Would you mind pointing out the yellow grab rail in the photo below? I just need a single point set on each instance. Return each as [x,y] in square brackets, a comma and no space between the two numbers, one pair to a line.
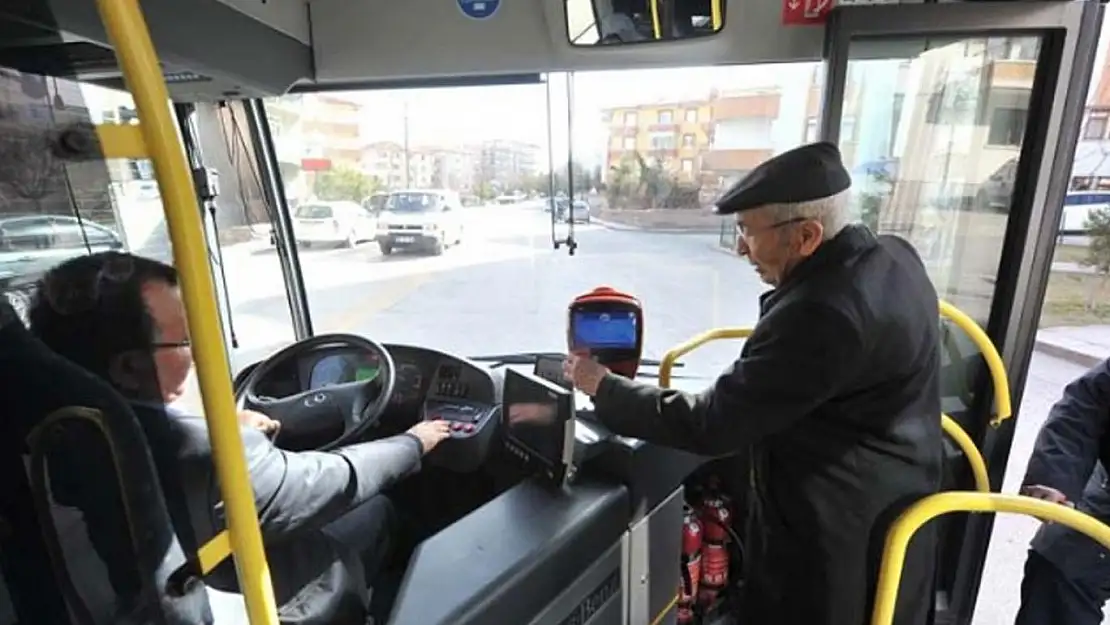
[990,353]
[966,445]
[127,30]
[907,524]
[715,9]
[680,350]
[656,27]
[950,426]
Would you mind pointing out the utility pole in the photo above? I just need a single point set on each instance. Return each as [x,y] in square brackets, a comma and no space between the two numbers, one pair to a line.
[405,112]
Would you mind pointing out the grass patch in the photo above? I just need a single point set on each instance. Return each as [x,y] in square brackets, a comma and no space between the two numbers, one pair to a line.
[1065,302]
[1069,254]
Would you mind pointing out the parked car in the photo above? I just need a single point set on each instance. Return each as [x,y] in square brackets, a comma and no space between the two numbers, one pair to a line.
[32,244]
[334,223]
[428,220]
[577,212]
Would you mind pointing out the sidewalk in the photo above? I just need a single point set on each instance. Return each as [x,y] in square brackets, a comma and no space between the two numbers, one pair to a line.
[1083,345]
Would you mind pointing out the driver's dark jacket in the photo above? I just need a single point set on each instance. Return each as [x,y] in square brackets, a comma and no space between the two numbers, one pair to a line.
[1072,444]
[296,493]
[835,400]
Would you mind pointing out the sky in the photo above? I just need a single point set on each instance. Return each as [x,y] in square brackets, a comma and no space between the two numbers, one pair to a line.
[455,116]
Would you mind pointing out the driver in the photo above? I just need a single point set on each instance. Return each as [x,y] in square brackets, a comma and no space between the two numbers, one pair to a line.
[325,524]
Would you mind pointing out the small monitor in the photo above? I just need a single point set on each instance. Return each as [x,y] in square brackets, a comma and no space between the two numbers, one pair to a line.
[594,329]
[539,425]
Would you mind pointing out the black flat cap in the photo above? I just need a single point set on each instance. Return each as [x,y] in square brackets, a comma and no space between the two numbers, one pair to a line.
[810,172]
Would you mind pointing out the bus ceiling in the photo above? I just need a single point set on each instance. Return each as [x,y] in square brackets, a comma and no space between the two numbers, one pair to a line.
[231,49]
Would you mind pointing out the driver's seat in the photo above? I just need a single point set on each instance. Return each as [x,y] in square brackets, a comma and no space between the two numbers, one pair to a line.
[86,535]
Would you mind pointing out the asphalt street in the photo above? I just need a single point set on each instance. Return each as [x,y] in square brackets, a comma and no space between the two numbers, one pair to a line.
[505,289]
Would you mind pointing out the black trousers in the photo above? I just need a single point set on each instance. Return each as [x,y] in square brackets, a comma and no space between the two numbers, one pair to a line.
[1049,597]
[371,529]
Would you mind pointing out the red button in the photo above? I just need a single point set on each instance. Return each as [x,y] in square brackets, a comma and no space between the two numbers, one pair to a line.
[455,425]
[469,427]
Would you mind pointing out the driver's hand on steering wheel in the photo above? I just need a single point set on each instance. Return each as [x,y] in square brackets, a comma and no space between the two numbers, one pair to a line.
[431,433]
[260,422]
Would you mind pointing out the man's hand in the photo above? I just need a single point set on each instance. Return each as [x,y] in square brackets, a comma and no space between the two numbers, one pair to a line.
[260,422]
[1046,493]
[431,433]
[584,373]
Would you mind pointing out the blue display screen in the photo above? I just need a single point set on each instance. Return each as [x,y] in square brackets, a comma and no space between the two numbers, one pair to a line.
[600,330]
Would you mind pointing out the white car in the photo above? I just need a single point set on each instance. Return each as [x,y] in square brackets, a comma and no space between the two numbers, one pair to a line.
[428,220]
[333,223]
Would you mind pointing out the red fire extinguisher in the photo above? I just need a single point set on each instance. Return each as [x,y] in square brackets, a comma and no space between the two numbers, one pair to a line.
[716,519]
[691,568]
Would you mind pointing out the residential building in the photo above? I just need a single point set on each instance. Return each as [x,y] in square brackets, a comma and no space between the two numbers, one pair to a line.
[505,163]
[385,161]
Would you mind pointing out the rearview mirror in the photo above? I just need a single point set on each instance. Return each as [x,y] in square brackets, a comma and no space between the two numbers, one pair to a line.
[614,22]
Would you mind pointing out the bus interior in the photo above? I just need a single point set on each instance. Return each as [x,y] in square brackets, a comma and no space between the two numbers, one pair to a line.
[591,532]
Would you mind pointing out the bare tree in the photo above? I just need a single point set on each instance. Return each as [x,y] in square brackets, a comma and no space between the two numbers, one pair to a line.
[28,167]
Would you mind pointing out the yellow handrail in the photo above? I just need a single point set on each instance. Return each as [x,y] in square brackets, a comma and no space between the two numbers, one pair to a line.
[656,28]
[974,458]
[680,350]
[949,425]
[715,9]
[127,30]
[990,354]
[907,524]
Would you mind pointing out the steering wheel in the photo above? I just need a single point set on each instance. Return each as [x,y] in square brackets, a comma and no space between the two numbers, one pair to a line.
[327,417]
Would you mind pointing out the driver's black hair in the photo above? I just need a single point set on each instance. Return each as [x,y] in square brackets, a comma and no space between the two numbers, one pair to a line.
[90,309]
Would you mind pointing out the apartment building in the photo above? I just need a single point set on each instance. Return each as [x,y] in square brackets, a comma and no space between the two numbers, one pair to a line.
[505,163]
[708,142]
[428,166]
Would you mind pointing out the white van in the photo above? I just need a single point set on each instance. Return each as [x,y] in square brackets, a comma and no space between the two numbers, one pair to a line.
[428,220]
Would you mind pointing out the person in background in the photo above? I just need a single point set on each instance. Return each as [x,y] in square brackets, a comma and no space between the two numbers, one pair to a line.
[1067,575]
[121,317]
[835,398]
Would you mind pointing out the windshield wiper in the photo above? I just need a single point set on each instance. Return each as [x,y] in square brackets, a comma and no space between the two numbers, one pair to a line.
[530,358]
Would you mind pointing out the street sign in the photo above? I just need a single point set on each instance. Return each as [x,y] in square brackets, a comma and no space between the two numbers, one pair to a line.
[805,12]
[479,9]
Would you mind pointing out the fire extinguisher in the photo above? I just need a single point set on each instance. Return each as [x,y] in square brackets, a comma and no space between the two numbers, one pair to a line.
[716,519]
[691,568]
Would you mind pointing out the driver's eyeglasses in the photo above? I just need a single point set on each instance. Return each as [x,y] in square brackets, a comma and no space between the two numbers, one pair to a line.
[745,231]
[173,344]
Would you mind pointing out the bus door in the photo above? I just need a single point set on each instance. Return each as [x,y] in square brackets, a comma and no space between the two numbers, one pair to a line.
[927,102]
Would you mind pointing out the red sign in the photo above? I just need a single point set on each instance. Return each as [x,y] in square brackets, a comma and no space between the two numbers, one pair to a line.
[315,164]
[805,12]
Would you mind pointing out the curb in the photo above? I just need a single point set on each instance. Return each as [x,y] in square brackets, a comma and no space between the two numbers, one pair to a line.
[1066,353]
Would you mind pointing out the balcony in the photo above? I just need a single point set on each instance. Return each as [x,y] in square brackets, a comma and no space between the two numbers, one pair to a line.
[1015,74]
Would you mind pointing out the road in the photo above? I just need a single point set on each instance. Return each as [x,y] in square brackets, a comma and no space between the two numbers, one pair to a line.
[492,293]
[506,289]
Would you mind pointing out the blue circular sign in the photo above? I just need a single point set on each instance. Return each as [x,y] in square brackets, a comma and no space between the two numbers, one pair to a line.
[479,9]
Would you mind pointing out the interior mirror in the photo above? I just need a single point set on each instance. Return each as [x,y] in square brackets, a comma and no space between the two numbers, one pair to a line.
[612,22]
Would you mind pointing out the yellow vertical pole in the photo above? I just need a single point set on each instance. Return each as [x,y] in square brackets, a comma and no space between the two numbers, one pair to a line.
[716,12]
[128,32]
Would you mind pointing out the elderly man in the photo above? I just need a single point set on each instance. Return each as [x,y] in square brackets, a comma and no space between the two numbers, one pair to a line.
[835,399]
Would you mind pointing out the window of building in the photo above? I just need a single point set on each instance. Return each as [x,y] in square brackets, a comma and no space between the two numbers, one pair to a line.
[687,166]
[666,117]
[688,141]
[692,115]
[630,143]
[1096,127]
[1007,126]
[662,141]
[630,119]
